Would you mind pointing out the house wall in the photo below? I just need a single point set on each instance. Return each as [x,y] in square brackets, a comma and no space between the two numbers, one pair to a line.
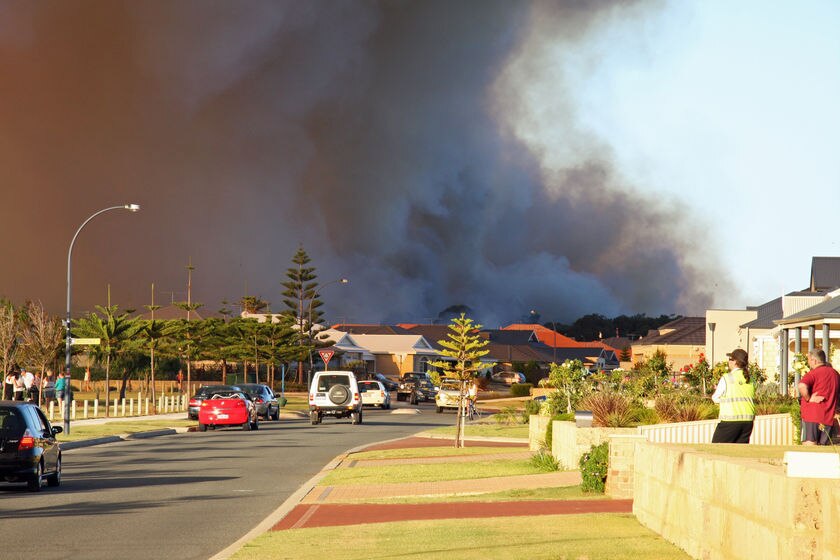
[728,333]
[678,355]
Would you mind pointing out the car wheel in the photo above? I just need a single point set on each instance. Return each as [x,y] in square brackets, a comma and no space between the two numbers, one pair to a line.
[400,396]
[339,394]
[34,482]
[313,417]
[413,399]
[55,478]
[246,425]
[276,415]
[439,409]
[202,427]
[356,417]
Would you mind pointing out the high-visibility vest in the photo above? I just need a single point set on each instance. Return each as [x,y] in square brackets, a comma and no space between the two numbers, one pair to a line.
[738,401]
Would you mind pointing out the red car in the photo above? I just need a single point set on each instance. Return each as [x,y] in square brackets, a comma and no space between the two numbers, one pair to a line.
[228,408]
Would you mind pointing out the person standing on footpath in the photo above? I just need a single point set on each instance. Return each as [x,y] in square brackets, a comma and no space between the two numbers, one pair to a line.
[736,397]
[60,385]
[48,388]
[820,390]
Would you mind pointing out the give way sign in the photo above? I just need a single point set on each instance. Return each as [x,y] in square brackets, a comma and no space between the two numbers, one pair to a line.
[326,355]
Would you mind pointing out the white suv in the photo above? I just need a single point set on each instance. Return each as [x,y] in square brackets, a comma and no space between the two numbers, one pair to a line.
[334,393]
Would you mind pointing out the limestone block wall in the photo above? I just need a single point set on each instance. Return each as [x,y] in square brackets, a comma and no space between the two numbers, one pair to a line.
[622,465]
[569,443]
[537,426]
[720,507]
[769,429]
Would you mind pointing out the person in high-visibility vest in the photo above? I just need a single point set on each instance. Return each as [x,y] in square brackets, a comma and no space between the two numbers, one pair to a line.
[736,396]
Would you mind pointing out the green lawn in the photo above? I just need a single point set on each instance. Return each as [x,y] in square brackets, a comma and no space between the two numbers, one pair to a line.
[486,430]
[420,452]
[532,494]
[591,537]
[88,431]
[430,473]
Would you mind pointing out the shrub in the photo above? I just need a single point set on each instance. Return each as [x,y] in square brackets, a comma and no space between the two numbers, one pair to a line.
[520,389]
[644,415]
[593,468]
[545,461]
[508,416]
[609,409]
[565,417]
[531,407]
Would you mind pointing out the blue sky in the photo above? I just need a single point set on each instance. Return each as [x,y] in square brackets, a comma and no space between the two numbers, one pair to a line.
[728,112]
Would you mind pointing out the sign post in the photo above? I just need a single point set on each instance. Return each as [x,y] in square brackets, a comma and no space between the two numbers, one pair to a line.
[326,355]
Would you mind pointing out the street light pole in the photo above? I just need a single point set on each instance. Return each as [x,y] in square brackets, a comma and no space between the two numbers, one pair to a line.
[311,300]
[68,390]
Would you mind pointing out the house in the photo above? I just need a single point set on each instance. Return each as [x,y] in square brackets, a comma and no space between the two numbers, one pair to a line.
[390,354]
[682,340]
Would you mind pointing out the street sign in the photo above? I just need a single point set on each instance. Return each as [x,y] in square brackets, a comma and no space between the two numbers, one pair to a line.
[85,341]
[326,355]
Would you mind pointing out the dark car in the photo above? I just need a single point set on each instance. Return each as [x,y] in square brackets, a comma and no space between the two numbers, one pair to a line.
[205,393]
[29,451]
[264,398]
[390,384]
[416,386]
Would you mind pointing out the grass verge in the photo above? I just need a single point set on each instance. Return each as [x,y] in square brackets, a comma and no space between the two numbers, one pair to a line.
[593,536]
[430,473]
[533,494]
[422,452]
[81,431]
[486,430]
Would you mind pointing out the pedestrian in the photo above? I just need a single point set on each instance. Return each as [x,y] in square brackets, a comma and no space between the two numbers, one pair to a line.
[736,396]
[819,390]
[30,386]
[48,388]
[19,388]
[60,385]
[9,385]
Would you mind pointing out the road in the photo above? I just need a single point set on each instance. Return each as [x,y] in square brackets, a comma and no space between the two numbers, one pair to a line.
[181,496]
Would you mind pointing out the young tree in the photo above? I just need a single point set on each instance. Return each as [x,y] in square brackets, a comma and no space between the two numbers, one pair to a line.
[252,304]
[43,338]
[10,326]
[301,300]
[464,345]
[570,380]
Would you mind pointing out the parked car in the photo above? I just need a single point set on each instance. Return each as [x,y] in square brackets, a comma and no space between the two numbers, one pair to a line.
[205,393]
[264,398]
[374,394]
[390,384]
[29,451]
[416,386]
[447,397]
[508,377]
[228,408]
[334,393]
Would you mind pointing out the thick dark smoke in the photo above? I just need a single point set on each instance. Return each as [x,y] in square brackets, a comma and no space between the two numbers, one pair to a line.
[368,132]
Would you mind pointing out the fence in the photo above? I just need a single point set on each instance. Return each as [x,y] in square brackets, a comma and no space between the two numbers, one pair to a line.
[119,407]
[769,429]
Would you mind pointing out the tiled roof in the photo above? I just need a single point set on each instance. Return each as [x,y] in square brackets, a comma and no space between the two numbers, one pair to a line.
[370,329]
[683,331]
[545,335]
[767,313]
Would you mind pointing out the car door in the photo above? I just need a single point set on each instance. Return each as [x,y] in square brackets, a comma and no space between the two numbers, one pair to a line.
[44,438]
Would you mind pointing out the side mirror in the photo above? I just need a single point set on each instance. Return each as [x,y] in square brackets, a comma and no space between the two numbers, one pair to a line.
[57,430]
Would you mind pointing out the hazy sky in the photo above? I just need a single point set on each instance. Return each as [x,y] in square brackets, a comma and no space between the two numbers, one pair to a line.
[569,157]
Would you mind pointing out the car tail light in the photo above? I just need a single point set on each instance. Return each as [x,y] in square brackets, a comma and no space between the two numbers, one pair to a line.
[312,397]
[26,442]
[382,394]
[194,402]
[258,401]
[240,403]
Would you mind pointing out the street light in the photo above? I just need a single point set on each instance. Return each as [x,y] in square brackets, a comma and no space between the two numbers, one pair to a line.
[311,300]
[68,390]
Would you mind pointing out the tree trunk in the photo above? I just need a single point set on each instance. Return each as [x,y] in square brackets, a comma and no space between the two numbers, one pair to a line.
[123,383]
[154,401]
[107,385]
[224,371]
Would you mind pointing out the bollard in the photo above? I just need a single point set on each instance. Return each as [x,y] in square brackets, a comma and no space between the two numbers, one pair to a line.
[115,408]
[85,412]
[52,410]
[147,406]
[131,407]
[160,404]
[73,410]
[122,403]
[96,408]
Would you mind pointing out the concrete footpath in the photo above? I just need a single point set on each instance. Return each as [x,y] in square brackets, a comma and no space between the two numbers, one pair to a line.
[325,505]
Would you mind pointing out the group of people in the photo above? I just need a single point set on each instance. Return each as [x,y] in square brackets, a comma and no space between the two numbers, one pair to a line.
[23,385]
[819,392]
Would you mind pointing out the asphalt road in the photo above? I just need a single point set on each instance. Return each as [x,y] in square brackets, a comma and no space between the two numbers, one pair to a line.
[181,496]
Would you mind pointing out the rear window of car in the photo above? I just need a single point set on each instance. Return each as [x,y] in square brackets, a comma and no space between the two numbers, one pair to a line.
[368,386]
[325,382]
[11,423]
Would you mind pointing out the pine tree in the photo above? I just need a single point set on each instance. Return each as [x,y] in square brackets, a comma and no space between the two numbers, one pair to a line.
[464,345]
[301,300]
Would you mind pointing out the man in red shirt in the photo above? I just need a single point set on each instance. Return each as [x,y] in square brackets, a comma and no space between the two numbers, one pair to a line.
[820,389]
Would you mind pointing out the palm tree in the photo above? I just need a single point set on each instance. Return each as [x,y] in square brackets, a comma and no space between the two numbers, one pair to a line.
[114,329]
[152,332]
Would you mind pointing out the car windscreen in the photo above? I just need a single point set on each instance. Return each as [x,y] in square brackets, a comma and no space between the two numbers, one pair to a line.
[325,382]
[11,423]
